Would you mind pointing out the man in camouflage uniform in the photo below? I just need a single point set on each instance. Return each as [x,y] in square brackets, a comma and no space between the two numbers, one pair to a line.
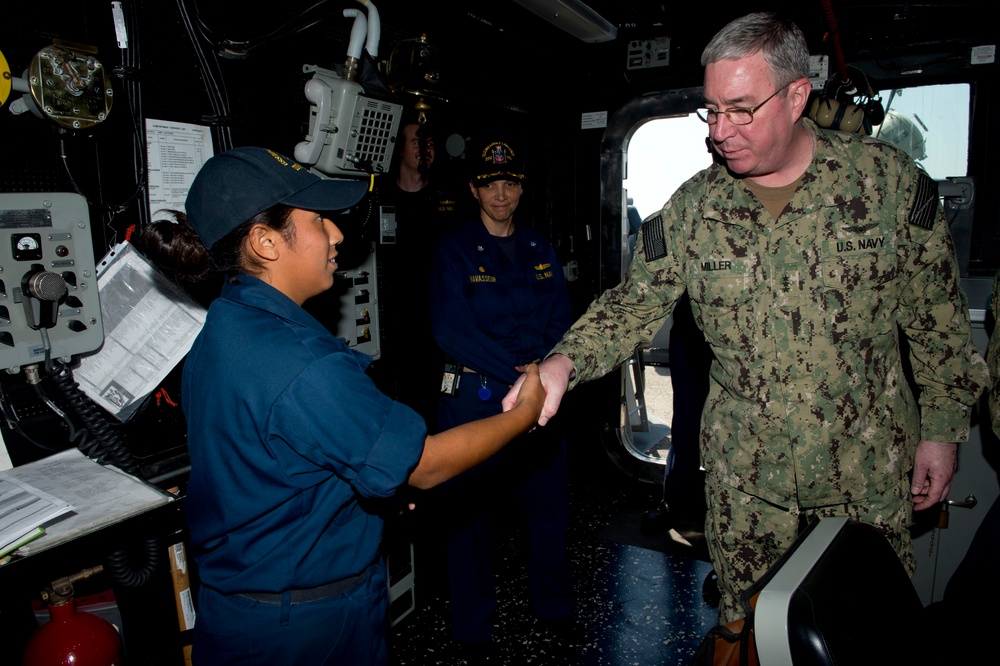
[805,252]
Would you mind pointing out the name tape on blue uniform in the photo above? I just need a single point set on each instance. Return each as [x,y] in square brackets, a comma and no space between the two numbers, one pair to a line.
[925,203]
[654,244]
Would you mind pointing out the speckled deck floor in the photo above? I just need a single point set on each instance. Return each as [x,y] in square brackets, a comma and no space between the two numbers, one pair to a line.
[640,598]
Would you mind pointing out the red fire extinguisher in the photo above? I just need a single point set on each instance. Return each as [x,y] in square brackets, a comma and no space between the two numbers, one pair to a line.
[71,637]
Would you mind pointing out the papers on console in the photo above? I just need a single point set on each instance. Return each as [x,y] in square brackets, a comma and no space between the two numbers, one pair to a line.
[149,326]
[97,495]
[23,509]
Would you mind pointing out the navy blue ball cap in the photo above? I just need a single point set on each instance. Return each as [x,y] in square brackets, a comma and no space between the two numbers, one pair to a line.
[497,161]
[236,185]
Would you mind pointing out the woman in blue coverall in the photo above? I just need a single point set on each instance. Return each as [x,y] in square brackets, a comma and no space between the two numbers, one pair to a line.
[295,455]
[498,301]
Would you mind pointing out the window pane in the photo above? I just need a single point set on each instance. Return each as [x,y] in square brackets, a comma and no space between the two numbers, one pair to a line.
[932,124]
[662,154]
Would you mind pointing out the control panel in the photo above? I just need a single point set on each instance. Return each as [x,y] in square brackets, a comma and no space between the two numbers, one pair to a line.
[350,309]
[49,301]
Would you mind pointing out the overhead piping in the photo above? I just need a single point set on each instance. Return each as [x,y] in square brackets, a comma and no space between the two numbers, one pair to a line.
[374,28]
[574,17]
[356,44]
[838,51]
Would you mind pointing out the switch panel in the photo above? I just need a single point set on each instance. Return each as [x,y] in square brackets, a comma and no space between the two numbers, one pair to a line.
[647,53]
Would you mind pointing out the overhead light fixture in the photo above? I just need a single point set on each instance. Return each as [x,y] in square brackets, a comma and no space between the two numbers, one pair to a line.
[573,17]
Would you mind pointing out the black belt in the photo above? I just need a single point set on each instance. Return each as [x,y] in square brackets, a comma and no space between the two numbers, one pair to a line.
[311,594]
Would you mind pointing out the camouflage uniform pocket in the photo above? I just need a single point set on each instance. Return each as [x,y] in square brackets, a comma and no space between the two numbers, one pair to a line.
[723,302]
[854,300]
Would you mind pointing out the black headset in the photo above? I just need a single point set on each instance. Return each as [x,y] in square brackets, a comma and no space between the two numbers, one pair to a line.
[841,107]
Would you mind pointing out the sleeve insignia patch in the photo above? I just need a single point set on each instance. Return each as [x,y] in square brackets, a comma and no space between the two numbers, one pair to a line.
[925,203]
[654,244]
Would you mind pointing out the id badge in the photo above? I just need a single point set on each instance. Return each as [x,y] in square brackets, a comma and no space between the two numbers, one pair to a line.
[451,378]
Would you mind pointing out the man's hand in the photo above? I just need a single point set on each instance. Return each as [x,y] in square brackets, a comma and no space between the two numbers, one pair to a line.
[532,394]
[554,372]
[933,468]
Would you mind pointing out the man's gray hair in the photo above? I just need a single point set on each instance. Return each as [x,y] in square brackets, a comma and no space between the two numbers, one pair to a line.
[779,40]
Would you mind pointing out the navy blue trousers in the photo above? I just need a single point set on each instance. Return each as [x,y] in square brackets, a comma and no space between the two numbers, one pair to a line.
[528,475]
[690,362]
[348,628]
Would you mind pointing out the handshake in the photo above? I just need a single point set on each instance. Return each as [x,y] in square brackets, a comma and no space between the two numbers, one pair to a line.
[541,387]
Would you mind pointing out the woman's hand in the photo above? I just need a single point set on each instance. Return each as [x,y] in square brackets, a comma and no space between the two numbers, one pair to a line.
[554,373]
[532,394]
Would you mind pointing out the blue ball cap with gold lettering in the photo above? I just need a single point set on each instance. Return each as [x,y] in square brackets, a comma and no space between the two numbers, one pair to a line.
[236,185]
[496,161]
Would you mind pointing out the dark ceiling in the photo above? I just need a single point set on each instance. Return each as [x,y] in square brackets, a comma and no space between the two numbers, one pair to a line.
[501,39]
[496,51]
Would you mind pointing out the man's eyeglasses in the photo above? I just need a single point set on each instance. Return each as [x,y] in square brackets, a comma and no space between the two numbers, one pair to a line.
[736,115]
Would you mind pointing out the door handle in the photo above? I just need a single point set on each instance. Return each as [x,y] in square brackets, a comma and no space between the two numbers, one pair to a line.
[967,503]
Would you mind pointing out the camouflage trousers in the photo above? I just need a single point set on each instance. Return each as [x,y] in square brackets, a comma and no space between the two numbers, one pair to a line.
[746,535]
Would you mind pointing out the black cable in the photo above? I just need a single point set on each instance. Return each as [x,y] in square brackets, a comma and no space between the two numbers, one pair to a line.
[130,76]
[136,574]
[77,437]
[13,420]
[239,48]
[127,74]
[108,448]
[218,97]
[111,208]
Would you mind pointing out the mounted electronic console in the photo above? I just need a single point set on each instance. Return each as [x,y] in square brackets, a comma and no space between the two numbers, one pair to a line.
[49,303]
[352,132]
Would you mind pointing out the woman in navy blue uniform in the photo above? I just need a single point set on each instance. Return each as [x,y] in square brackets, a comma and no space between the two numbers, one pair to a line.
[295,455]
[499,301]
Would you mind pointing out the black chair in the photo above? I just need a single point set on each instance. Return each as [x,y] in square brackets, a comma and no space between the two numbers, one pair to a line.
[839,596]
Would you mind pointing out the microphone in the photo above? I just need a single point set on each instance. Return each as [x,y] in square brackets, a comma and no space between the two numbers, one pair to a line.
[46,286]
[42,287]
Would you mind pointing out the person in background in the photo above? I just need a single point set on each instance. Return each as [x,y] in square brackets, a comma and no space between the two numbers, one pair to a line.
[295,455]
[807,255]
[682,503]
[409,368]
[499,301]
